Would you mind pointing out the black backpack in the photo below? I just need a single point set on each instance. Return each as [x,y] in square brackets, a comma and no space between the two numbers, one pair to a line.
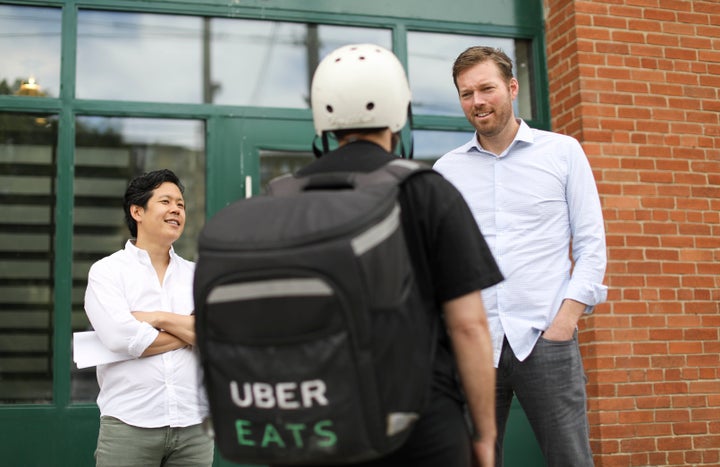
[315,345]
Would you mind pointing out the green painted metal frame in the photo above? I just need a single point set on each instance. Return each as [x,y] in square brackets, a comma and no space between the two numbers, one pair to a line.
[58,433]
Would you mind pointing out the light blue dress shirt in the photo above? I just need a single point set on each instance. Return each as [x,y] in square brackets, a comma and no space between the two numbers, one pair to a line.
[532,202]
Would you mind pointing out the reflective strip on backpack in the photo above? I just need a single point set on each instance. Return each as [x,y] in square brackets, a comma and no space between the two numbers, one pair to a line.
[400,421]
[377,233]
[269,289]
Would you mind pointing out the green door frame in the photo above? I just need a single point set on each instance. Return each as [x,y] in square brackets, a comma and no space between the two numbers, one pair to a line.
[233,151]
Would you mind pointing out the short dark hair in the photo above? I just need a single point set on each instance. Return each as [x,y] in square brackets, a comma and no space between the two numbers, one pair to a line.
[140,190]
[479,54]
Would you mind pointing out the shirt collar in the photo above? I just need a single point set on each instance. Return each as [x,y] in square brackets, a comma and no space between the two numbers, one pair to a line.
[143,255]
[524,135]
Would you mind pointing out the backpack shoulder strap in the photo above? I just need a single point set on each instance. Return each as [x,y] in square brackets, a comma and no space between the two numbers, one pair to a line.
[285,185]
[394,172]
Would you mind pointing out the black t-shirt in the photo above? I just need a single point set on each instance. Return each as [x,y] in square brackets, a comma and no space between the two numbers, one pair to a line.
[449,254]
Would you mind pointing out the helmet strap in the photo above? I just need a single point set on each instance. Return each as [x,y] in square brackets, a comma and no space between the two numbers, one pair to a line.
[325,145]
[410,154]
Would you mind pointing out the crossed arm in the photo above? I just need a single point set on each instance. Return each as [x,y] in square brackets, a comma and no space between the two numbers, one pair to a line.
[176,331]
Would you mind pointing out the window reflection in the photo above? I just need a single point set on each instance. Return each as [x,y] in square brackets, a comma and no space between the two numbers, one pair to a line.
[431,145]
[109,152]
[27,233]
[265,63]
[167,58]
[430,61]
[29,51]
[140,57]
[276,163]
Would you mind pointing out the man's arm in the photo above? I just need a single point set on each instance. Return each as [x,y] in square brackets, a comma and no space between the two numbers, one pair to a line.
[468,329]
[563,326]
[108,310]
[179,326]
[588,233]
[164,342]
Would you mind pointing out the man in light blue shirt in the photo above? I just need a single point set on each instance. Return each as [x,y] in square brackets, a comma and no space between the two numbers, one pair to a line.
[534,197]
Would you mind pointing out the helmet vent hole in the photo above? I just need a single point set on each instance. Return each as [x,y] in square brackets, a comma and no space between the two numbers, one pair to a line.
[361,57]
[370,106]
[329,108]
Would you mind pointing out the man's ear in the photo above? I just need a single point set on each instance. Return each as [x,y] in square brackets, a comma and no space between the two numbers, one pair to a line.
[136,212]
[514,87]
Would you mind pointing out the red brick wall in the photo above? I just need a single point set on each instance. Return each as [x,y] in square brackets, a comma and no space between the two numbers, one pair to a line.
[638,83]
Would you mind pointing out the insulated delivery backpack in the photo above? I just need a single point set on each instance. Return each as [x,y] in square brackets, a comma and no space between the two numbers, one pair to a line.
[313,340]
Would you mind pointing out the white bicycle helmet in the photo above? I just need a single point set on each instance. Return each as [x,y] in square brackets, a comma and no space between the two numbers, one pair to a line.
[359,86]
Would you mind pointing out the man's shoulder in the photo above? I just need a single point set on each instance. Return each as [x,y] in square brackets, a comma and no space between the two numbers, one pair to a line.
[454,158]
[428,176]
[111,263]
[431,189]
[359,156]
[459,150]
[553,137]
[118,256]
[184,263]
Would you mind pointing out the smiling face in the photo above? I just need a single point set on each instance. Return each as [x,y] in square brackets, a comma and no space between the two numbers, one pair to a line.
[162,220]
[486,99]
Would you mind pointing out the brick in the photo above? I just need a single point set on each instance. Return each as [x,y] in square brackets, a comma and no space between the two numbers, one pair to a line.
[666,334]
[616,403]
[701,334]
[685,320]
[698,281]
[656,458]
[709,414]
[712,456]
[693,457]
[671,388]
[650,348]
[618,431]
[696,428]
[706,442]
[619,460]
[677,416]
[702,387]
[654,429]
[683,401]
[638,444]
[653,402]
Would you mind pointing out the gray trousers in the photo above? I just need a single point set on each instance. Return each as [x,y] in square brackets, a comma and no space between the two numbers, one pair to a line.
[550,386]
[123,445]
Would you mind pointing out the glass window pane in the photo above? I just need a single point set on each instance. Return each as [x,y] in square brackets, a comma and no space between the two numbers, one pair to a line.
[109,152]
[270,64]
[27,233]
[139,57]
[29,51]
[276,163]
[429,146]
[430,61]
[167,58]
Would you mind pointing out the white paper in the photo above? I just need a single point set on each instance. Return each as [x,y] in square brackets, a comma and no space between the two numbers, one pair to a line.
[89,351]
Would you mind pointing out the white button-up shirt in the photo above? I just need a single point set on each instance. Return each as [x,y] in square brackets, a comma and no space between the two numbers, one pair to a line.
[532,202]
[148,392]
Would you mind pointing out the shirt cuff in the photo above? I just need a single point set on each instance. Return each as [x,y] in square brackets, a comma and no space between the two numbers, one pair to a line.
[145,336]
[589,294]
